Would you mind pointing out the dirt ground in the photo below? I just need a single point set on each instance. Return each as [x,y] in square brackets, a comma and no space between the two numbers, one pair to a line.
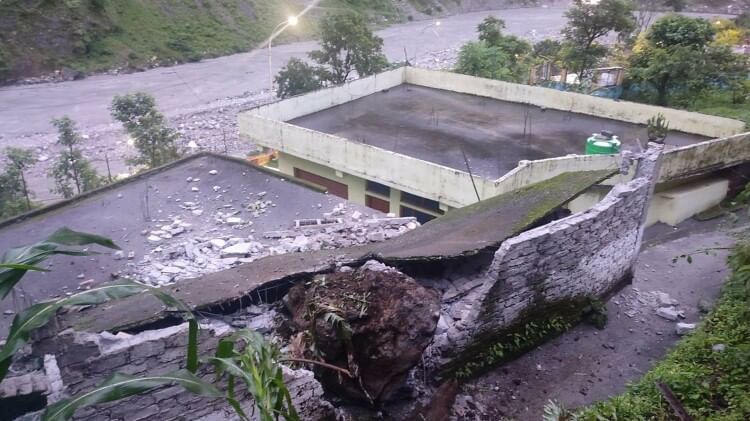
[440,126]
[585,364]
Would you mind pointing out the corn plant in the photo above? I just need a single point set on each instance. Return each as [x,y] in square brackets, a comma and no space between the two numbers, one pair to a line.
[17,262]
[257,365]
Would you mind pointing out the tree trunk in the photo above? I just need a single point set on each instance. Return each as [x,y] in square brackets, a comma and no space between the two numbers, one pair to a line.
[25,191]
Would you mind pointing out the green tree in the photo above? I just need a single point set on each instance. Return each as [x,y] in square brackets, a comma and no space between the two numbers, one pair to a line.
[346,45]
[14,193]
[491,62]
[547,49]
[589,22]
[73,174]
[678,30]
[297,78]
[491,30]
[154,140]
[495,55]
[679,60]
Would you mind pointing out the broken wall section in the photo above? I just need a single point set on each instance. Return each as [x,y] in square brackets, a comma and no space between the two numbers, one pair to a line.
[85,360]
[585,255]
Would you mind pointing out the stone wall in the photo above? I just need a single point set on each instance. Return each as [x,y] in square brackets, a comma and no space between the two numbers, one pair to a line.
[85,360]
[587,254]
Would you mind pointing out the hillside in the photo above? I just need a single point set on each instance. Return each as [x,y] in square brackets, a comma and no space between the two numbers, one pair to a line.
[82,36]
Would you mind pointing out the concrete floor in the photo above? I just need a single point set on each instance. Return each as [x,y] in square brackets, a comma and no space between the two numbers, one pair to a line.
[436,126]
[123,212]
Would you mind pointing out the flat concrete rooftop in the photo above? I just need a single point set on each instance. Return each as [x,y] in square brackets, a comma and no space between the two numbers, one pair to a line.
[144,203]
[437,126]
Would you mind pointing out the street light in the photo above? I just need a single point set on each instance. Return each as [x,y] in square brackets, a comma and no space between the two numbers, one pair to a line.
[433,25]
[290,21]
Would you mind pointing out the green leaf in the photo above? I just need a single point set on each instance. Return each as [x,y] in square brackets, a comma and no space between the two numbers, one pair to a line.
[22,267]
[119,386]
[38,315]
[68,237]
[192,351]
[16,261]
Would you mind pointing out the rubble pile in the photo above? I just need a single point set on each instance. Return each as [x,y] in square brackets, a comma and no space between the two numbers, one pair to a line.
[389,319]
[181,253]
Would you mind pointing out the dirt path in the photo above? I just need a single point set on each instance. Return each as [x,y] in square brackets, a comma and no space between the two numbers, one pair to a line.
[585,365]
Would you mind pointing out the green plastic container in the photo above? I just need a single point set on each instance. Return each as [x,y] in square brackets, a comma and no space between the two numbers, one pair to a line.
[602,144]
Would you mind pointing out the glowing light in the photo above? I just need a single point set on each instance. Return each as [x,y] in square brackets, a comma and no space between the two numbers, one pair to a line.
[292,20]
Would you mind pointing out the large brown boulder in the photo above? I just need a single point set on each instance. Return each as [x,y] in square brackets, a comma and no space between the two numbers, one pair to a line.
[382,322]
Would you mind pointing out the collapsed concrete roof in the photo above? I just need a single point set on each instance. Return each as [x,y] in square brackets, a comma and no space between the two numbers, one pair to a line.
[200,193]
[464,232]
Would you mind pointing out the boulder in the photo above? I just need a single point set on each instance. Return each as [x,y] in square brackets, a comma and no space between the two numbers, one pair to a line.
[385,322]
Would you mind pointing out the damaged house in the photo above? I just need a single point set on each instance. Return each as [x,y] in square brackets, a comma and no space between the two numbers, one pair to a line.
[372,312]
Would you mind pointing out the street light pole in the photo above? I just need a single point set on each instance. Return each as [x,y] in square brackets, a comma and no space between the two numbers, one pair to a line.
[290,21]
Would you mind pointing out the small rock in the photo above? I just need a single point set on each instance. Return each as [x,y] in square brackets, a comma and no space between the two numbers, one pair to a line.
[197,212]
[238,250]
[118,255]
[668,313]
[218,243]
[131,255]
[233,220]
[705,305]
[195,189]
[684,328]
[189,179]
[173,270]
[154,238]
[213,172]
[80,276]
[718,348]
[666,300]
[8,312]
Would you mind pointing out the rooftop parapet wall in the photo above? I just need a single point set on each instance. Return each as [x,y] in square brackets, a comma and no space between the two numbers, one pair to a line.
[266,125]
[704,157]
[684,121]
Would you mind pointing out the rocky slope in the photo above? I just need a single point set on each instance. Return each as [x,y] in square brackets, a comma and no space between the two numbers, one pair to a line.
[67,39]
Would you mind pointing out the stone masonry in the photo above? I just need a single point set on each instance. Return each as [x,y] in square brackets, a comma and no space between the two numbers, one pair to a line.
[86,359]
[587,254]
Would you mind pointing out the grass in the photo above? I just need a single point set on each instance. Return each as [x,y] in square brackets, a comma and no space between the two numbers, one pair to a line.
[711,385]
[720,103]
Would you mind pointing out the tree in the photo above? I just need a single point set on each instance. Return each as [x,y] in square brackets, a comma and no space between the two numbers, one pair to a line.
[727,33]
[680,60]
[491,30]
[589,22]
[145,124]
[14,193]
[72,172]
[678,30]
[495,55]
[348,45]
[297,78]
[491,62]
[547,49]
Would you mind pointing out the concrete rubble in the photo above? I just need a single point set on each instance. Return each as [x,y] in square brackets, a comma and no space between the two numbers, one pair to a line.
[182,251]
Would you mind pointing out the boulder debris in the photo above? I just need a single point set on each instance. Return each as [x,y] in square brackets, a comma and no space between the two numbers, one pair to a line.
[374,323]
